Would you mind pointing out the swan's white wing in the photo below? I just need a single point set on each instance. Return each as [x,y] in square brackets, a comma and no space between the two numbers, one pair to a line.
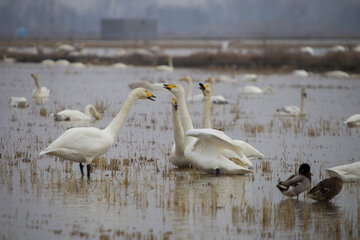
[291,109]
[72,115]
[248,150]
[214,136]
[80,144]
[353,118]
[347,172]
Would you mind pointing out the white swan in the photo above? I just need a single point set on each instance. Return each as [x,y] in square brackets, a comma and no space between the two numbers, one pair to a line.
[167,68]
[307,49]
[39,92]
[337,74]
[250,77]
[300,73]
[177,157]
[226,79]
[347,172]
[75,115]
[19,102]
[62,62]
[353,121]
[203,146]
[83,144]
[189,96]
[248,150]
[338,49]
[77,64]
[48,62]
[120,65]
[148,85]
[292,110]
[218,99]
[254,90]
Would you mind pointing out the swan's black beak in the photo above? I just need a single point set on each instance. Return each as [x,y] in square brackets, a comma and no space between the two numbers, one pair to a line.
[202,86]
[169,86]
[150,96]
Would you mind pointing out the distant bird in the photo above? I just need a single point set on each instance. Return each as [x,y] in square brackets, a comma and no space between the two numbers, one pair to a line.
[19,102]
[83,144]
[62,62]
[48,62]
[8,60]
[250,77]
[120,65]
[226,79]
[254,90]
[292,110]
[148,85]
[347,172]
[39,91]
[300,73]
[77,65]
[307,50]
[297,183]
[167,68]
[357,48]
[75,115]
[337,74]
[338,49]
[353,121]
[326,189]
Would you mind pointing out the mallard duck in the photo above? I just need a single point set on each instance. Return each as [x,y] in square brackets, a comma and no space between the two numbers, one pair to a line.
[326,189]
[297,183]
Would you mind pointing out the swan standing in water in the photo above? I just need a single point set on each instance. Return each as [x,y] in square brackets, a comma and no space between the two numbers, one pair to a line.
[39,92]
[190,97]
[83,144]
[353,121]
[203,146]
[347,172]
[75,115]
[292,110]
[297,183]
[19,102]
[245,148]
[254,90]
[218,99]
[167,68]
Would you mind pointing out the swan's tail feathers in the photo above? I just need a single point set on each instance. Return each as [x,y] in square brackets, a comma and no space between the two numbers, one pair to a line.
[281,187]
[332,173]
[43,152]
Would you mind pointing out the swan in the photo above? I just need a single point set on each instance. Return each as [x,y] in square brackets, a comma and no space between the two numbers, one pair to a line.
[203,146]
[177,157]
[347,172]
[120,65]
[297,183]
[62,62]
[337,74]
[190,97]
[226,79]
[338,49]
[83,144]
[148,85]
[39,92]
[248,150]
[307,49]
[292,110]
[166,68]
[8,60]
[77,64]
[250,77]
[19,102]
[357,48]
[254,90]
[353,121]
[326,189]
[218,99]
[300,73]
[48,62]
[75,115]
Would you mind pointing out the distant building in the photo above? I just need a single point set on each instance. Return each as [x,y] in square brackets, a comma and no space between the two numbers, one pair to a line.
[128,29]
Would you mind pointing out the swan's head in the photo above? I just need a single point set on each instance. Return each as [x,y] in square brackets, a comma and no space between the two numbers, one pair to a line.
[174,103]
[303,92]
[142,93]
[205,89]
[34,76]
[186,79]
[175,89]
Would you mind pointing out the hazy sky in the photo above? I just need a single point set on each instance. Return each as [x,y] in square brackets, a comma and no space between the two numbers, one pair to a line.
[186,17]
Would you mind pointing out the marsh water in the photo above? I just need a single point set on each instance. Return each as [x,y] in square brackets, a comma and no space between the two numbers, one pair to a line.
[135,192]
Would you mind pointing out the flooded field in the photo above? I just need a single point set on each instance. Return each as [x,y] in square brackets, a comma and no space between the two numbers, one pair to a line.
[135,192]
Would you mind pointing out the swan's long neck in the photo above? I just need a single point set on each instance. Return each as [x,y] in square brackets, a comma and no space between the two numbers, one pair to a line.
[302,106]
[178,132]
[37,83]
[189,91]
[88,109]
[184,113]
[170,62]
[206,123]
[115,125]
[268,89]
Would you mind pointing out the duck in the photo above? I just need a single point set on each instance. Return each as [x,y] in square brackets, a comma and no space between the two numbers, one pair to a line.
[76,115]
[347,173]
[39,91]
[18,102]
[254,90]
[292,110]
[249,151]
[83,144]
[353,121]
[167,68]
[326,189]
[203,146]
[296,184]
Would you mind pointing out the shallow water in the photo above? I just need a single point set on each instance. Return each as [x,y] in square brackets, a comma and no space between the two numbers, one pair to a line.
[45,197]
